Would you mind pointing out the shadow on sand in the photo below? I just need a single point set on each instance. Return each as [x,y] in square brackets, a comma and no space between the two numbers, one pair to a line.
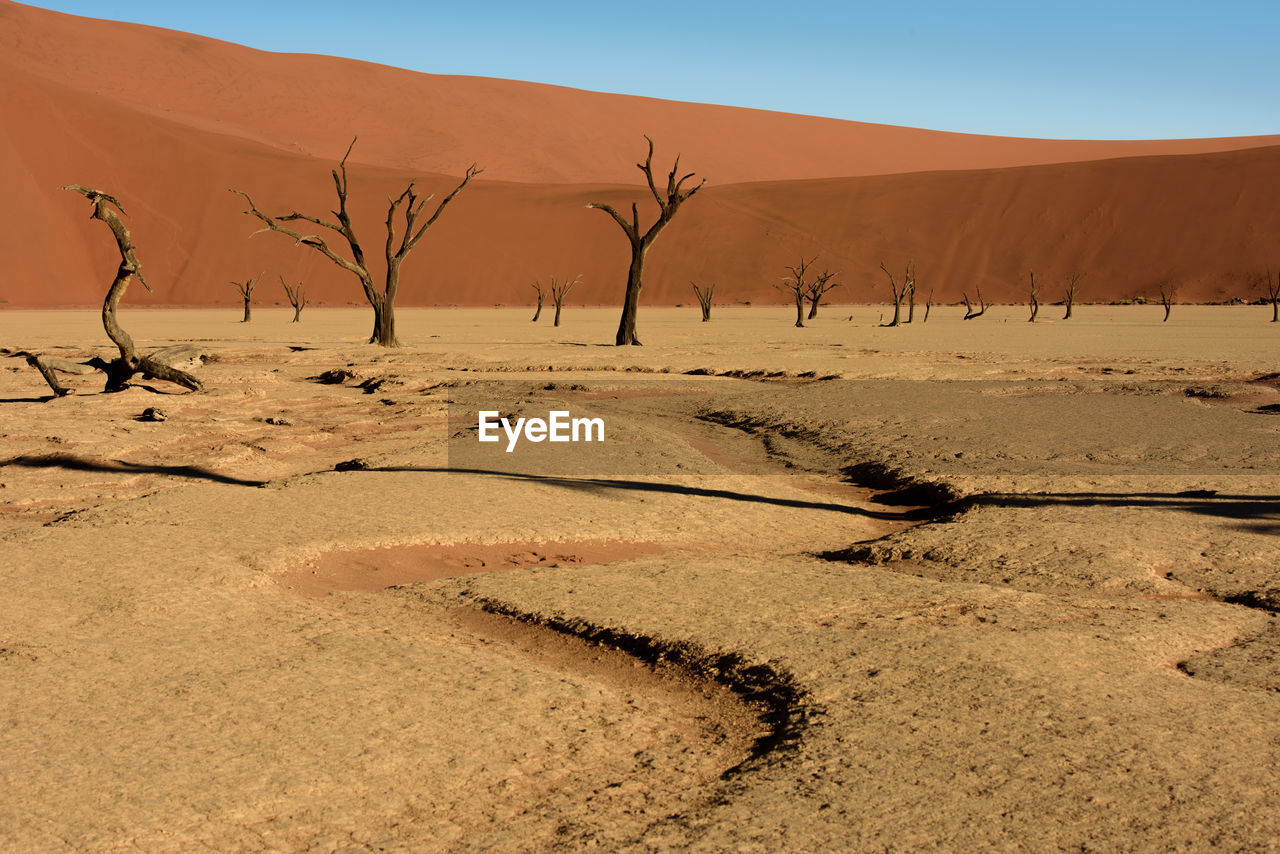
[70,462]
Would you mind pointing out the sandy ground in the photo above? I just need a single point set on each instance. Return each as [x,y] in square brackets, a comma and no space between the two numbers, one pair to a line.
[951,585]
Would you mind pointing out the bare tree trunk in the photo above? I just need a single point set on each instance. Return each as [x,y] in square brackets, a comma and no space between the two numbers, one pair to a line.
[1071,294]
[121,370]
[1166,299]
[969,313]
[297,298]
[631,301]
[383,303]
[898,294]
[928,305]
[1034,303]
[558,293]
[704,299]
[384,324]
[1273,293]
[245,289]
[813,305]
[668,202]
[537,286]
[799,309]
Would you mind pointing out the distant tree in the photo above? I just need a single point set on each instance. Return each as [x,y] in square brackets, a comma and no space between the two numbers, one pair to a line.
[119,371]
[704,299]
[296,297]
[542,296]
[558,292]
[669,201]
[928,305]
[245,289]
[969,313]
[909,284]
[817,288]
[1034,302]
[1167,293]
[900,292]
[382,301]
[1070,299]
[797,284]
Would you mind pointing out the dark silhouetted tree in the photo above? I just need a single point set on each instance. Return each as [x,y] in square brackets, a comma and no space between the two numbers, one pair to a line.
[382,301]
[245,289]
[900,292]
[542,297]
[797,284]
[817,288]
[1070,299]
[704,299]
[558,292]
[969,312]
[669,201]
[1167,293]
[297,298]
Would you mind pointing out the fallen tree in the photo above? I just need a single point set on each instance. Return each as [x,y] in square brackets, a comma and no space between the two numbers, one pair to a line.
[130,363]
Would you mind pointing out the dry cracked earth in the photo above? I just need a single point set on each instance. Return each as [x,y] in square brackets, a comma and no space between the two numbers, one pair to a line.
[937,588]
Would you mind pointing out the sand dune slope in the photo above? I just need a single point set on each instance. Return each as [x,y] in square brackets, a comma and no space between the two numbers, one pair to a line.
[173,121]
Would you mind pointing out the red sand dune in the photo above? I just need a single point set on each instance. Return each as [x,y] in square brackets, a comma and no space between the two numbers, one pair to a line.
[167,122]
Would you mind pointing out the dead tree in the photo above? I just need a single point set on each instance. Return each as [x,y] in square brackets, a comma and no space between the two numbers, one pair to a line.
[899,293]
[542,296]
[382,301]
[704,299]
[817,288]
[928,305]
[1070,299]
[797,286]
[245,289]
[130,363]
[558,291]
[969,313]
[1034,301]
[669,201]
[297,298]
[909,285]
[1273,294]
[1166,300]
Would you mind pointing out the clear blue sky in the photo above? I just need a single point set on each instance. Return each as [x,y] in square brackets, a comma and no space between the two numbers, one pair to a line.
[1083,69]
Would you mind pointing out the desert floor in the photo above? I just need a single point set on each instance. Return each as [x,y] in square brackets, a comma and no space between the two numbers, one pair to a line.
[943,586]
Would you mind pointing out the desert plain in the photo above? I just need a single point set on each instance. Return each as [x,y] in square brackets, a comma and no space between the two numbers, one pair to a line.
[951,585]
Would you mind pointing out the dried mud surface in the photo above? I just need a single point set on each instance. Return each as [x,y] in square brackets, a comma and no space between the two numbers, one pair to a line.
[946,586]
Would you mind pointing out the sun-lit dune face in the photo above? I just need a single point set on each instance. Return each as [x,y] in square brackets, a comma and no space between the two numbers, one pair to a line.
[172,121]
